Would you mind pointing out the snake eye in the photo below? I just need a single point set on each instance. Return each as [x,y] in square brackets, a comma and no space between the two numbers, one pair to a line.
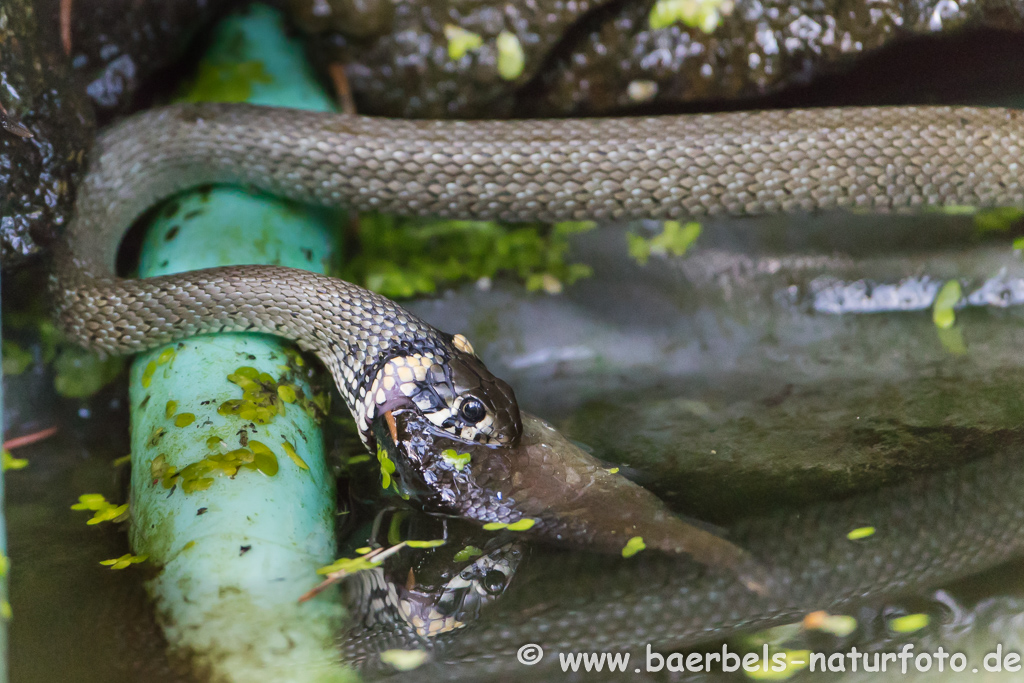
[494,582]
[473,410]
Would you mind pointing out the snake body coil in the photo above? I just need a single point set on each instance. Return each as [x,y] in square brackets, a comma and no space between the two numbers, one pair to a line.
[664,167]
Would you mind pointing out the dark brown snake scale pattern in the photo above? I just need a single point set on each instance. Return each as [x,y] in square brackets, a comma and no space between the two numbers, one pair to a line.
[884,159]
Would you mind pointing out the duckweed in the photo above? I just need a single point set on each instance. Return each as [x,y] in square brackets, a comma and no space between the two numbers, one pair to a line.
[166,356]
[783,665]
[102,509]
[674,240]
[467,553]
[9,462]
[264,398]
[124,561]
[184,419]
[403,660]
[387,467]
[909,623]
[511,58]
[704,15]
[948,297]
[5,610]
[455,459]
[123,460]
[840,625]
[290,450]
[155,436]
[860,533]
[170,409]
[519,525]
[200,475]
[633,546]
[426,544]
[461,41]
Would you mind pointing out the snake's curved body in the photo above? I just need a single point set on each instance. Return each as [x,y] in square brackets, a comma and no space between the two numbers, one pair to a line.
[657,167]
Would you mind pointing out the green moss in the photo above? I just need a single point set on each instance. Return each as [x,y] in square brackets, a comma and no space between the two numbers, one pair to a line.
[400,257]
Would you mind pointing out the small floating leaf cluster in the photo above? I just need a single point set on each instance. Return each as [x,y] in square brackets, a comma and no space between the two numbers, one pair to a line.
[103,510]
[124,561]
[264,398]
[403,257]
[165,357]
[520,525]
[199,476]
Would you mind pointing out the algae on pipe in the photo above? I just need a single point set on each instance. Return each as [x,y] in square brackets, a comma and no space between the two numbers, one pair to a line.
[237,526]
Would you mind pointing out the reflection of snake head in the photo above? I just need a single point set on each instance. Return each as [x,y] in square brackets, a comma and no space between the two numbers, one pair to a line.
[458,395]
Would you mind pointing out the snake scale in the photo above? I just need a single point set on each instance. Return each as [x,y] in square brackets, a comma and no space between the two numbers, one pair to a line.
[886,159]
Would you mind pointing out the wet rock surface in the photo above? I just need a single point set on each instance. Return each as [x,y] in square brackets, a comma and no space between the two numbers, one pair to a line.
[600,57]
[116,45]
[38,173]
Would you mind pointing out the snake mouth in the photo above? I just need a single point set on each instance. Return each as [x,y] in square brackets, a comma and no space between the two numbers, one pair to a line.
[547,488]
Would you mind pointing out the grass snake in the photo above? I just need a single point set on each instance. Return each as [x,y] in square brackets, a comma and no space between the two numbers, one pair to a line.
[383,357]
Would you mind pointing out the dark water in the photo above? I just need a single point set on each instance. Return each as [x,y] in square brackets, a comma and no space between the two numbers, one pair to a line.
[709,377]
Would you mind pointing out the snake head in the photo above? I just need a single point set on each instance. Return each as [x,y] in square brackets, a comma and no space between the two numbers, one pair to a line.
[459,396]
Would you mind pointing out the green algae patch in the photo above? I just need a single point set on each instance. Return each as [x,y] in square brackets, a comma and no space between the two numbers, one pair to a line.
[633,546]
[124,561]
[461,41]
[467,553]
[675,239]
[861,533]
[455,459]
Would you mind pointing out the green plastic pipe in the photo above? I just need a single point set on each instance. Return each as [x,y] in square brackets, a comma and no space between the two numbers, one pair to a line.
[230,494]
